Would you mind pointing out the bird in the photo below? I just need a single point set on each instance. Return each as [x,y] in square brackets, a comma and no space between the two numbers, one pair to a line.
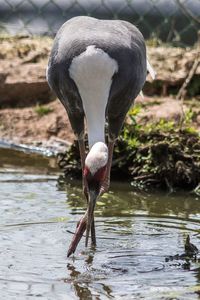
[190,248]
[96,68]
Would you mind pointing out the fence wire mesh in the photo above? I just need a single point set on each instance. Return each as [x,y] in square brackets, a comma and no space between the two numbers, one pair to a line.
[174,21]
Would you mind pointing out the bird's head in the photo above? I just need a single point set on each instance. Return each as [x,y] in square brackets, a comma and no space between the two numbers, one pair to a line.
[94,174]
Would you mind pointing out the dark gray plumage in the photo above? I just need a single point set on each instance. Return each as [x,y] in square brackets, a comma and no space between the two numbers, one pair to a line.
[123,42]
[113,54]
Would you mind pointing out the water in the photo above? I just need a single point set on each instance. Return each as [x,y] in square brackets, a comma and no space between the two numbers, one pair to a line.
[137,232]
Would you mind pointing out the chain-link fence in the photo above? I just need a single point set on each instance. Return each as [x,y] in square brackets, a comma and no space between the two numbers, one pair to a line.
[174,21]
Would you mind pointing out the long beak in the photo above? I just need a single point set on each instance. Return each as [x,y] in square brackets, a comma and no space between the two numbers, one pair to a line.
[90,213]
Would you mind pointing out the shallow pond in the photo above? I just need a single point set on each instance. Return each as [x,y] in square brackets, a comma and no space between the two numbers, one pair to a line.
[137,233]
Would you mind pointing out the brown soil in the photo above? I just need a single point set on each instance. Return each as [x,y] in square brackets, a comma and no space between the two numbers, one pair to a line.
[23,85]
[22,71]
[25,125]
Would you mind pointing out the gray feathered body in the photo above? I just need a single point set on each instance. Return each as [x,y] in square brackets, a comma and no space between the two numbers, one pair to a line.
[123,42]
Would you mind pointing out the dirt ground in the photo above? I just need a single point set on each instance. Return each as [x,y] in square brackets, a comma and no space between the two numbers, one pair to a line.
[27,126]
[30,114]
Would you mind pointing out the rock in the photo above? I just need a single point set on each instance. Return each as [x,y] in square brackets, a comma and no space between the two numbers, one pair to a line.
[23,71]
[23,85]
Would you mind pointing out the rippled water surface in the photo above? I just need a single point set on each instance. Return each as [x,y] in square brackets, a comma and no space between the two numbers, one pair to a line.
[137,233]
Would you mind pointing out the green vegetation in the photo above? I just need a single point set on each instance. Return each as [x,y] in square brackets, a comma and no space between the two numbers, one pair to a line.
[42,110]
[155,42]
[161,154]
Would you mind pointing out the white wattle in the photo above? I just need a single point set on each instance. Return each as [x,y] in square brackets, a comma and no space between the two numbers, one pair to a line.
[92,71]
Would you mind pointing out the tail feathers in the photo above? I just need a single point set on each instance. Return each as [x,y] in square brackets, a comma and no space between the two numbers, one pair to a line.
[141,95]
[151,70]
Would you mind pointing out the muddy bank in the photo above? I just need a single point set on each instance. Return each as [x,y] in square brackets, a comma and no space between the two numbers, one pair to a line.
[44,125]
[153,157]
[39,126]
[154,149]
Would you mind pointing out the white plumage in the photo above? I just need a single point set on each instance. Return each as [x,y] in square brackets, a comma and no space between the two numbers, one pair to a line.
[97,157]
[92,71]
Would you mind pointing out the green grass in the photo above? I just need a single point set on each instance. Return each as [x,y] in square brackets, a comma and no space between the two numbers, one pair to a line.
[42,110]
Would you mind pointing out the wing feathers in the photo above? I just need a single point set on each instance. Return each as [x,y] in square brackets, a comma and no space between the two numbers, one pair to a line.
[151,70]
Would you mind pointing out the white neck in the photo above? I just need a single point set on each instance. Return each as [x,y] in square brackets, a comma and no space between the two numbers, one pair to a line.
[92,72]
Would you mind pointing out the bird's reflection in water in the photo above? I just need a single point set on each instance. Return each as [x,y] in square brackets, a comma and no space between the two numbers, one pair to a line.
[89,260]
[81,288]
[83,283]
